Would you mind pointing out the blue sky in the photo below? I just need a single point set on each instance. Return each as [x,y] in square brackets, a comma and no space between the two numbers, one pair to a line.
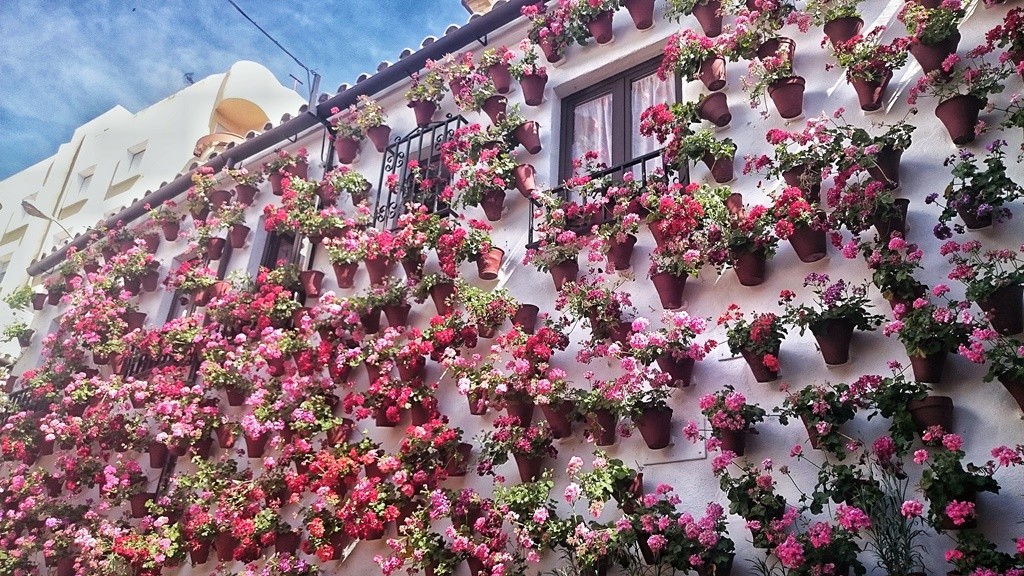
[64,62]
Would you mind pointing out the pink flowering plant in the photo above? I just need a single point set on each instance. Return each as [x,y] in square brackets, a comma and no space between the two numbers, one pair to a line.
[823,408]
[837,300]
[948,483]
[762,335]
[602,304]
[957,76]
[983,273]
[927,328]
[791,211]
[932,25]
[762,73]
[684,53]
[676,338]
[864,57]
[727,409]
[753,496]
[893,265]
[888,397]
[510,437]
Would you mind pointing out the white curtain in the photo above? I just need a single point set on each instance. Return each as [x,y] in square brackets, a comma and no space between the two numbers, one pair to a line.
[592,129]
[646,92]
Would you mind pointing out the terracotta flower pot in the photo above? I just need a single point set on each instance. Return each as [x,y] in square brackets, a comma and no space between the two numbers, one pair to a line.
[809,244]
[642,13]
[810,186]
[530,466]
[200,554]
[420,413]
[150,280]
[932,411]
[750,267]
[721,168]
[493,202]
[887,167]
[138,503]
[495,108]
[442,295]
[237,235]
[170,230]
[526,182]
[886,227]
[286,542]
[381,418]
[345,274]
[780,46]
[521,409]
[256,446]
[564,272]
[620,253]
[157,454]
[715,109]
[1016,389]
[38,300]
[812,433]
[870,93]
[477,402]
[378,269]
[605,422]
[709,16]
[424,111]
[734,441]
[501,76]
[397,314]
[553,51]
[459,463]
[601,27]
[1005,310]
[959,115]
[226,437]
[712,73]
[834,336]
[681,371]
[347,148]
[930,56]
[929,368]
[670,289]
[756,363]
[973,220]
[788,96]
[245,194]
[370,319]
[489,264]
[412,264]
[215,248]
[299,170]
[655,426]
[311,281]
[526,318]
[533,88]
[559,418]
[379,136]
[528,135]
[842,29]
[225,544]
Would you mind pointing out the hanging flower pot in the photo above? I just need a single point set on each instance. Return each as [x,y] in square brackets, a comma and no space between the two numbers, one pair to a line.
[299,170]
[138,503]
[370,319]
[256,446]
[528,135]
[477,402]
[721,168]
[564,272]
[552,49]
[521,409]
[459,463]
[670,289]
[420,413]
[887,167]
[533,88]
[215,248]
[151,241]
[530,466]
[834,336]
[381,418]
[840,30]
[157,454]
[493,202]
[795,176]
[709,16]
[487,331]
[345,274]
[655,425]
[412,369]
[734,441]
[495,108]
[642,13]
[225,545]
[601,27]
[275,179]
[973,220]
[680,370]
[526,180]
[812,433]
[750,266]
[761,372]
[604,422]
[1004,309]
[378,268]
[871,92]
[930,56]
[928,368]
[286,542]
[788,96]
[424,111]
[340,433]
[199,214]
[715,109]
[237,235]
[932,411]
[1016,389]
[442,295]
[489,264]
[959,115]
[379,136]
[311,280]
[397,314]
[781,46]
[712,73]
[559,417]
[501,76]
[199,553]
[150,280]
[620,253]
[38,300]
[412,264]
[347,148]
[170,230]
[526,318]
[219,197]
[245,194]
[886,227]
[628,492]
[809,244]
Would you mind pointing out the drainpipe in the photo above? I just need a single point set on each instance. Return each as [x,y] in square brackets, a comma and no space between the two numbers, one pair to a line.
[475,30]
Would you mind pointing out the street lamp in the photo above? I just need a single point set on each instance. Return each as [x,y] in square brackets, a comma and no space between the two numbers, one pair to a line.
[33,211]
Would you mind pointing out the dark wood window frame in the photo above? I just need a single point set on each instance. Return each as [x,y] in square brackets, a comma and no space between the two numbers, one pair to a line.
[622,112]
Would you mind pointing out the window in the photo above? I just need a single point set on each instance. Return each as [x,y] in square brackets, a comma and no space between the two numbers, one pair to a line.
[134,161]
[4,265]
[606,116]
[83,183]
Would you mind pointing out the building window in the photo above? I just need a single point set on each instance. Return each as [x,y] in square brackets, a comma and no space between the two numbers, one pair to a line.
[134,161]
[605,117]
[279,248]
[83,182]
[4,265]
